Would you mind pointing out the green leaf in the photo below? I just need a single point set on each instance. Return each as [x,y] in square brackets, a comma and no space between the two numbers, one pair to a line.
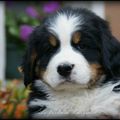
[13,31]
[10,19]
[35,22]
[25,19]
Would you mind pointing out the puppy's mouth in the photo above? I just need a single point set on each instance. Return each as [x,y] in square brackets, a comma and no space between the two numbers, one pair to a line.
[64,82]
[68,84]
[67,80]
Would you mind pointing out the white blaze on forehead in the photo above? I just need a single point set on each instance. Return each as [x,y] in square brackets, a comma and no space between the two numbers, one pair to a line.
[63,26]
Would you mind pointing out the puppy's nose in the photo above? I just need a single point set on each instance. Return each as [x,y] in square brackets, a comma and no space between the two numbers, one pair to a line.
[65,69]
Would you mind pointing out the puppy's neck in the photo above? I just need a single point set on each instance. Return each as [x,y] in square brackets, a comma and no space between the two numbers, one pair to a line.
[74,92]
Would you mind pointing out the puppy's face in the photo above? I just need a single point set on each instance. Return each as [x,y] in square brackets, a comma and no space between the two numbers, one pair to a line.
[70,64]
[75,59]
[70,50]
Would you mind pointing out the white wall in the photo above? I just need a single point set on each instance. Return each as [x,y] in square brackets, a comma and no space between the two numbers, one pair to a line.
[95,6]
[99,8]
[2,41]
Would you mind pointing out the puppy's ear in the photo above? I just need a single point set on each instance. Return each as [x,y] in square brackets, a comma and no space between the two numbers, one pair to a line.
[28,65]
[110,50]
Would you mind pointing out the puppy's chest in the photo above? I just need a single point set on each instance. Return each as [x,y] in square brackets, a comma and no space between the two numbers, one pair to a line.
[83,103]
[72,104]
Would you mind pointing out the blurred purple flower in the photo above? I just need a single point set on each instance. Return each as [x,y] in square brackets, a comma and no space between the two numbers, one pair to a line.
[25,31]
[51,7]
[32,12]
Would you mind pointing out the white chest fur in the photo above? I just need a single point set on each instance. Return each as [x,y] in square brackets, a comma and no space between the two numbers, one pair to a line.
[81,103]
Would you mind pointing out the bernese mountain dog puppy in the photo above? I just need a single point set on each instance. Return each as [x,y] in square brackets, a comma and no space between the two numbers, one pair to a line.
[72,66]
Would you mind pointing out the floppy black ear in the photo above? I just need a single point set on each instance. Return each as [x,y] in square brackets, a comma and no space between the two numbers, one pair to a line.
[110,50]
[29,65]
[34,51]
[29,62]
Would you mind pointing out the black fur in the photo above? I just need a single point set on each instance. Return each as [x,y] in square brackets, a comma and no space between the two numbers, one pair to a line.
[97,44]
[100,45]
[39,44]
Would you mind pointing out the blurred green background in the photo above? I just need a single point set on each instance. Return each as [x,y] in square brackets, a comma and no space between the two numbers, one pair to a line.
[21,18]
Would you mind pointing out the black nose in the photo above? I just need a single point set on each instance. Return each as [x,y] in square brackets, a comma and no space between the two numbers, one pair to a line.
[65,69]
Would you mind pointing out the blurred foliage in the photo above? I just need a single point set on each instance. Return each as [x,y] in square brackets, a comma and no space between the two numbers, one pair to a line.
[31,16]
[13,23]
[13,99]
[21,19]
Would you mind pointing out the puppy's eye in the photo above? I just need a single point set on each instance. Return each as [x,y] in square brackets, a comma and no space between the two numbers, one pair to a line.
[76,37]
[52,41]
[83,46]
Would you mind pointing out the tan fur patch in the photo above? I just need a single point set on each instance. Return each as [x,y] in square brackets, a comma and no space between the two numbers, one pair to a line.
[33,57]
[20,69]
[76,37]
[97,72]
[52,40]
[42,71]
[32,60]
[39,72]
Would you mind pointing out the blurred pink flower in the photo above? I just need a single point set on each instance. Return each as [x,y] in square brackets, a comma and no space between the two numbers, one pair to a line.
[51,7]
[25,31]
[32,12]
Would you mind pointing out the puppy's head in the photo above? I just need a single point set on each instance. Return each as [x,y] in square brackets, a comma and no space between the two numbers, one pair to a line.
[72,48]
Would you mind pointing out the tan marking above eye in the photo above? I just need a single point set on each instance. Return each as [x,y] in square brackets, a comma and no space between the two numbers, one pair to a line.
[52,40]
[76,37]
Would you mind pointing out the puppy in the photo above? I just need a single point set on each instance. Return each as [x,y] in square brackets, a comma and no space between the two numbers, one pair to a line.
[72,65]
